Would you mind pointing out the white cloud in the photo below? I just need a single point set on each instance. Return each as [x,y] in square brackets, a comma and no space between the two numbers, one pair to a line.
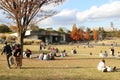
[104,12]
[69,17]
[63,18]
[66,17]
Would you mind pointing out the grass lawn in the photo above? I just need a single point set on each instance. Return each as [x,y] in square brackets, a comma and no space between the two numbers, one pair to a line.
[81,66]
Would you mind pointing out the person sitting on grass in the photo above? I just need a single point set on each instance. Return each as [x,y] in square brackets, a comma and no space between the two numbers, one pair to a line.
[65,53]
[105,54]
[102,67]
[28,53]
[41,56]
[51,56]
[101,54]
[62,54]
[118,55]
[46,56]
[73,51]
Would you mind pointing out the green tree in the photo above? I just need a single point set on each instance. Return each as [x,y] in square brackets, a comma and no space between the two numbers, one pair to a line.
[102,32]
[118,33]
[60,29]
[34,27]
[4,28]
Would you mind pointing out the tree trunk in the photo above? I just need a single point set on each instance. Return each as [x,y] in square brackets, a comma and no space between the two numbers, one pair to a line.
[21,37]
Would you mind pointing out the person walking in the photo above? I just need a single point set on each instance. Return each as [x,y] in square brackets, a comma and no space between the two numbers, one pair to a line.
[7,50]
[18,56]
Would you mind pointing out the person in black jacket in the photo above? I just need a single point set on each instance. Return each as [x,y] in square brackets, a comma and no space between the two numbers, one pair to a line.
[7,50]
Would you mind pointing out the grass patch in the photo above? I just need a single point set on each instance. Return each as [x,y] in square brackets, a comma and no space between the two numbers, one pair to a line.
[81,66]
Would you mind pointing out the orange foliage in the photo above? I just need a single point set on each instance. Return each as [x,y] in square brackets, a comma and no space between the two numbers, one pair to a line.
[87,36]
[74,33]
[95,35]
[80,33]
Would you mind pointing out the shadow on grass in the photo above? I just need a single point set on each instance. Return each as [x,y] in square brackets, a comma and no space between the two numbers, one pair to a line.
[54,67]
[90,58]
[67,77]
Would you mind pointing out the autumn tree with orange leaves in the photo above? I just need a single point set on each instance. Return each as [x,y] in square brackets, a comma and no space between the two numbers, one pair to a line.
[80,33]
[87,35]
[95,35]
[74,33]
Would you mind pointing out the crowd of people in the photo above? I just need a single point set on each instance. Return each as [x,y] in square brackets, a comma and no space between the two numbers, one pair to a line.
[111,53]
[15,50]
[51,53]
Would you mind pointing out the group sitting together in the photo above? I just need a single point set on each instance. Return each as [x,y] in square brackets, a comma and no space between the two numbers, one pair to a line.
[46,56]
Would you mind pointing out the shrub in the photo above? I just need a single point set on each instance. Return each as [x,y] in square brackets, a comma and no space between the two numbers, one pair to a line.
[10,38]
[2,36]
[27,42]
[32,41]
[37,41]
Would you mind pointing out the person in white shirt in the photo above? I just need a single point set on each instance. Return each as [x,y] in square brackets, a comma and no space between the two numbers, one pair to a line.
[101,54]
[118,55]
[102,67]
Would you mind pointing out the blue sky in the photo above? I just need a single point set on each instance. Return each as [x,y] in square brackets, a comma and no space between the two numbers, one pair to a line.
[88,13]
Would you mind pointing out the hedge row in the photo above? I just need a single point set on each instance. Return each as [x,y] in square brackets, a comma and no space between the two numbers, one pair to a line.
[9,38]
[32,41]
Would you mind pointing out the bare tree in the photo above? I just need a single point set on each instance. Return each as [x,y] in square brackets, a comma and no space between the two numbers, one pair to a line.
[23,11]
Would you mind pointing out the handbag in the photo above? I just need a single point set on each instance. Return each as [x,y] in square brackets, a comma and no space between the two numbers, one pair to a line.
[11,60]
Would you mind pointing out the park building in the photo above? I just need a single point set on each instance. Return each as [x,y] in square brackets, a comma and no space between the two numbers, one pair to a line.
[47,36]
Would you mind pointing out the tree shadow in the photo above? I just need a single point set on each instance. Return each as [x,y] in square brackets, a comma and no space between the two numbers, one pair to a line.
[52,67]
[81,58]
[67,77]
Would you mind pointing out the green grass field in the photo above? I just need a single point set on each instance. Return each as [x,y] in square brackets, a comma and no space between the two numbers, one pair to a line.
[81,66]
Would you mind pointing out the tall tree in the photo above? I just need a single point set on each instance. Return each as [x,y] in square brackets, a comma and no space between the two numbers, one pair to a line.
[74,33]
[95,35]
[87,35]
[102,33]
[60,29]
[80,33]
[23,11]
